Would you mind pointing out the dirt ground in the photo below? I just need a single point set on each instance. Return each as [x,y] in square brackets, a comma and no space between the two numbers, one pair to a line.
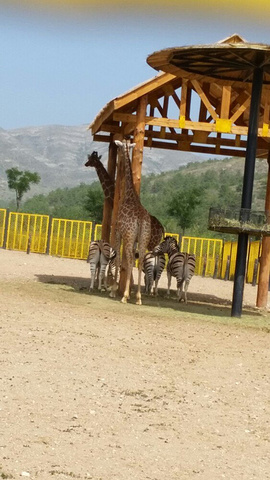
[94,389]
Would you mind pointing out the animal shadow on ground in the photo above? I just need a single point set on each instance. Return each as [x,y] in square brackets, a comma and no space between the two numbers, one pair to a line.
[200,303]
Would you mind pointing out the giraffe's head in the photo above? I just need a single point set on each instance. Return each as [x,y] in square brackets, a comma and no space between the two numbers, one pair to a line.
[93,159]
[125,145]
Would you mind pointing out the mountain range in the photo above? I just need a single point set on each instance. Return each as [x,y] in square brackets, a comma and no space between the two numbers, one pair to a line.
[58,154]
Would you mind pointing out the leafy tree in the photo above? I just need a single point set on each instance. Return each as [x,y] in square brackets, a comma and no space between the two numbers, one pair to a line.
[94,203]
[182,206]
[60,203]
[20,181]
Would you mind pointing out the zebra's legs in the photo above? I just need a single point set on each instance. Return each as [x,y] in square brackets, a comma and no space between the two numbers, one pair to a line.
[117,264]
[186,289]
[180,290]
[93,268]
[142,249]
[169,283]
[149,283]
[102,276]
[156,287]
[156,283]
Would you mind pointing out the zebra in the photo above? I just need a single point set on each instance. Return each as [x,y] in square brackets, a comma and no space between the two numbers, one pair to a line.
[99,257]
[153,266]
[180,265]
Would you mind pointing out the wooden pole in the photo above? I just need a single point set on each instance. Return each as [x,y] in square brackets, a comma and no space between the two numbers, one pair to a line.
[139,134]
[108,206]
[119,189]
[262,292]
[118,196]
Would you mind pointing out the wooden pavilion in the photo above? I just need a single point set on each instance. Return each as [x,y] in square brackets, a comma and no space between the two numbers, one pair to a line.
[181,110]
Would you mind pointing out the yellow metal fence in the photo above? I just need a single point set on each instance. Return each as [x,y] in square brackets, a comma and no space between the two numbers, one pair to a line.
[27,231]
[71,239]
[3,213]
[208,254]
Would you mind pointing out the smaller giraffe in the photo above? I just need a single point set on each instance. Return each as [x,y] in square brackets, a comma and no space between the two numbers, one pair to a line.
[106,181]
[157,233]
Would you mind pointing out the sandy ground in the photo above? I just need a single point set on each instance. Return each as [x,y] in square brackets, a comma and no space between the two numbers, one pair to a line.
[94,389]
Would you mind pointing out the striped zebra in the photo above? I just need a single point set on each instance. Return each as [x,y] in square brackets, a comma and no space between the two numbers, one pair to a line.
[153,266]
[99,257]
[181,265]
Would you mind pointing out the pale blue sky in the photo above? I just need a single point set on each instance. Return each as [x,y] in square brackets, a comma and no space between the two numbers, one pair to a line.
[63,70]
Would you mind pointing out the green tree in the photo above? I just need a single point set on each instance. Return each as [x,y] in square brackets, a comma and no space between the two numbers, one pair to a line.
[94,202]
[182,206]
[20,181]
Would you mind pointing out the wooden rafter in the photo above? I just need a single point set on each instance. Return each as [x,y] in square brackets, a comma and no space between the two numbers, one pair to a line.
[204,99]
[222,109]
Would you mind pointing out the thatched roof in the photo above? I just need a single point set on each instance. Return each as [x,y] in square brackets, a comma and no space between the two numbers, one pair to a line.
[230,60]
[202,95]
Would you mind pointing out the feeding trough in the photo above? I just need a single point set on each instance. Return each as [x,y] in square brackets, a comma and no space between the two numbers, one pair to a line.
[238,221]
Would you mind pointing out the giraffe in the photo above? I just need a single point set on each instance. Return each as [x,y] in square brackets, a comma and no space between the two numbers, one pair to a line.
[108,186]
[106,181]
[133,224]
[157,233]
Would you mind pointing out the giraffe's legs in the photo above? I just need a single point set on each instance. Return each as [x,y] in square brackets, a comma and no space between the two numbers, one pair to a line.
[139,296]
[129,259]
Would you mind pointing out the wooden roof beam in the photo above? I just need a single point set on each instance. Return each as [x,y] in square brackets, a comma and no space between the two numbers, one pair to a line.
[204,98]
[225,102]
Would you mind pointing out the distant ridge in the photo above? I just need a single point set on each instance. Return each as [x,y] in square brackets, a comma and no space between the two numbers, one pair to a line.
[58,153]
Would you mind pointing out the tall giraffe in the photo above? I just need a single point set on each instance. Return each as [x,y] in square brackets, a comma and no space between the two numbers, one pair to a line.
[108,186]
[133,224]
[106,181]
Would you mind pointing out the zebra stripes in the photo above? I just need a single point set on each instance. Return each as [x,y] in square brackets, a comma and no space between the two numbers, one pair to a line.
[153,266]
[181,265]
[99,257]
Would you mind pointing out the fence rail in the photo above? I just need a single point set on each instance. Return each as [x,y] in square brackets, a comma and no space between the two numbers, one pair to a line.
[71,238]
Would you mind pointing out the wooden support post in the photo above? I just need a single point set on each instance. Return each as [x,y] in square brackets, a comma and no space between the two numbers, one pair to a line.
[262,292]
[120,173]
[118,195]
[225,102]
[108,207]
[139,134]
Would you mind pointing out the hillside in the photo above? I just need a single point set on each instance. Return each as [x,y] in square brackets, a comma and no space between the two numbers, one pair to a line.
[58,153]
[213,183]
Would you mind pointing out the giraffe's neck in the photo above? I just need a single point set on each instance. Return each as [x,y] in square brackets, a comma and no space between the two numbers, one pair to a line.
[130,192]
[105,180]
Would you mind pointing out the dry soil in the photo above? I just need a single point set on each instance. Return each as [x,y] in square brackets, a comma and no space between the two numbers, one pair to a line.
[94,389]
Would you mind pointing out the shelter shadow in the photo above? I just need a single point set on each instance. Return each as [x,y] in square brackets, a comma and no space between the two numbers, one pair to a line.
[198,303]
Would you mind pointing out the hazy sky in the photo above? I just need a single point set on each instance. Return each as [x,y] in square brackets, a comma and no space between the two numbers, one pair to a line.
[60,69]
